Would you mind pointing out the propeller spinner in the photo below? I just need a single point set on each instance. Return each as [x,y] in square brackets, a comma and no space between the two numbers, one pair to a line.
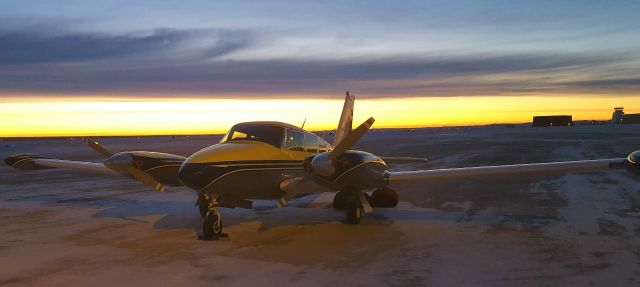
[125,163]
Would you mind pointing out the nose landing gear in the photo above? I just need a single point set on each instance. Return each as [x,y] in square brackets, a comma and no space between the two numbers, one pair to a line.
[203,205]
[212,221]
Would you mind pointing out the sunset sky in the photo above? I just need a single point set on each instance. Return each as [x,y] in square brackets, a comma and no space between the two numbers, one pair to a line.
[175,67]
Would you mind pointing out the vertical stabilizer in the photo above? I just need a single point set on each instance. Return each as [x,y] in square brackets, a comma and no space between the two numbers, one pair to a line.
[346,120]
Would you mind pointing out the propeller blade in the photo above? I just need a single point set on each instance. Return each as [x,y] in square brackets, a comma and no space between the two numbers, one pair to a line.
[351,139]
[145,178]
[95,145]
[297,186]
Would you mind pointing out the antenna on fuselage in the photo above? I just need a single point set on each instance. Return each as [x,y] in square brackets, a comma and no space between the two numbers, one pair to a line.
[305,121]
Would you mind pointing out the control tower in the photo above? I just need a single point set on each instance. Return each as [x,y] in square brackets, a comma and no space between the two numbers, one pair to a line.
[618,113]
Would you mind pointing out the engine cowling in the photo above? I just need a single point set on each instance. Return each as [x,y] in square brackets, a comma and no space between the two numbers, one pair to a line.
[354,169]
[161,166]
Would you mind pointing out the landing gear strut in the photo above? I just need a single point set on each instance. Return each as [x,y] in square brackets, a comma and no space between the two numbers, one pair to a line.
[354,210]
[212,222]
[203,205]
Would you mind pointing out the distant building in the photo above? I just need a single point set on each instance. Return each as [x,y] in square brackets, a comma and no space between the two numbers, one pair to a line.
[631,119]
[618,114]
[552,121]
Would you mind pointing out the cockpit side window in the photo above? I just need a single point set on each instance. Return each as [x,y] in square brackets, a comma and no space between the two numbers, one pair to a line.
[322,145]
[272,135]
[311,143]
[295,140]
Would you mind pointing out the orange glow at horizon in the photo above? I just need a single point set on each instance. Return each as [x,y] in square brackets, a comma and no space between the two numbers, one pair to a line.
[41,116]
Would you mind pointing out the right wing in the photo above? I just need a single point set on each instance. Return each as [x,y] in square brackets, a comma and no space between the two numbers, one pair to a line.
[151,168]
[33,162]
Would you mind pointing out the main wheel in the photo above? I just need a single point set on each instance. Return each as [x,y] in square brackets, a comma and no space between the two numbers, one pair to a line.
[212,225]
[203,205]
[354,211]
[340,200]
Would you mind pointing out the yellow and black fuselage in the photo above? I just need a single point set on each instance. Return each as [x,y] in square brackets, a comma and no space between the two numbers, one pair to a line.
[251,161]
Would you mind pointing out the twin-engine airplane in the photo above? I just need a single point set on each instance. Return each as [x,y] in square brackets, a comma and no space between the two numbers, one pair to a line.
[279,161]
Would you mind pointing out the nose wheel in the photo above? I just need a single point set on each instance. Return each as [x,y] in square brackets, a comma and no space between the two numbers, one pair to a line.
[212,222]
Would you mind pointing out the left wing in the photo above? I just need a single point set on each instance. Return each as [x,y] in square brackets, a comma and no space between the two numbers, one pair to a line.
[549,167]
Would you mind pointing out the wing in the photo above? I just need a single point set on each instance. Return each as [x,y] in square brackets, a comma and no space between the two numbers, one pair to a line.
[151,168]
[403,159]
[549,167]
[34,162]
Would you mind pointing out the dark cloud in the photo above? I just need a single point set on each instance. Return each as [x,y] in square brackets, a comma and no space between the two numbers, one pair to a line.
[32,47]
[175,62]
[633,83]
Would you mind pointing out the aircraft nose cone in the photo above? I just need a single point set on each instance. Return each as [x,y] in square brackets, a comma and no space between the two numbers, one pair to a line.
[193,175]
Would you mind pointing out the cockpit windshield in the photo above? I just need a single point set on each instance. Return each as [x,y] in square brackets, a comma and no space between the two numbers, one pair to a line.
[272,135]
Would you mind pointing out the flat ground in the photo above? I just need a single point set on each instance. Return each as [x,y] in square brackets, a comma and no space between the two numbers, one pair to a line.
[63,228]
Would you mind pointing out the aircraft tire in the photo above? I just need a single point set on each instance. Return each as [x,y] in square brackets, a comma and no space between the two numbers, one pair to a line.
[354,211]
[340,200]
[211,225]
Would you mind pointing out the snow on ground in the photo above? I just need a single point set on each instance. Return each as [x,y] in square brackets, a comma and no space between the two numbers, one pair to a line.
[60,228]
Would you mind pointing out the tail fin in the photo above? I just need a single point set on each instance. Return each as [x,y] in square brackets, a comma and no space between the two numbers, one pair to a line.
[346,120]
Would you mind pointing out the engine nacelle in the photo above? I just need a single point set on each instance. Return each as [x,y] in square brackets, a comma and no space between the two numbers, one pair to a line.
[353,169]
[161,166]
[322,165]
[633,161]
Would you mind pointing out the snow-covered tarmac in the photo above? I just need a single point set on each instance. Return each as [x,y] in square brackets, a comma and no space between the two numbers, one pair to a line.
[62,228]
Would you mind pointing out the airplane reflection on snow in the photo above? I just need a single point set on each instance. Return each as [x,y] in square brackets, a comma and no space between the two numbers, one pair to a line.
[279,161]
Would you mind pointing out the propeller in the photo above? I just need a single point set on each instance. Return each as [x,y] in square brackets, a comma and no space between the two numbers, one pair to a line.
[324,163]
[124,162]
[351,139]
[95,145]
[145,178]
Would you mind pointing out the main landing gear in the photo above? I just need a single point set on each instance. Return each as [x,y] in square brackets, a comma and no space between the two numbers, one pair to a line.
[356,203]
[212,220]
[354,210]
